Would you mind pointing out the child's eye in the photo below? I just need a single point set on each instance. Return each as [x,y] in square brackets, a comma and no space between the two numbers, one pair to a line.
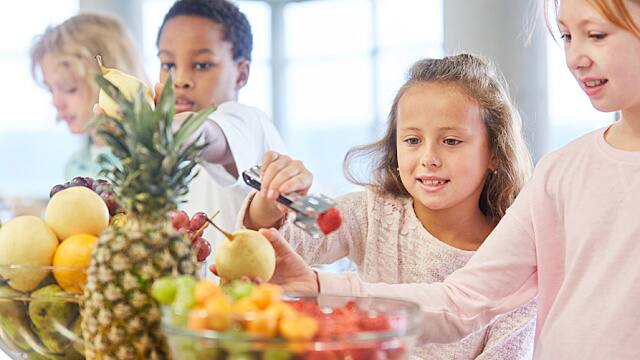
[167,66]
[566,37]
[451,141]
[412,141]
[597,35]
[202,66]
[71,90]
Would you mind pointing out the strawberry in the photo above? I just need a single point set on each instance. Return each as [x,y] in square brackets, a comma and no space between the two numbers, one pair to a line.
[330,220]
[373,323]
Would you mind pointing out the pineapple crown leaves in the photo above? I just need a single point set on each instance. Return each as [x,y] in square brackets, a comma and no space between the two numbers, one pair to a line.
[155,164]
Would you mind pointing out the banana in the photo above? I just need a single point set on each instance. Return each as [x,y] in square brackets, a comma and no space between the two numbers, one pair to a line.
[126,83]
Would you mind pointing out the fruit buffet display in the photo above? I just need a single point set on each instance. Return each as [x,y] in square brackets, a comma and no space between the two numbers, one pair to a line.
[110,271]
[242,320]
[43,270]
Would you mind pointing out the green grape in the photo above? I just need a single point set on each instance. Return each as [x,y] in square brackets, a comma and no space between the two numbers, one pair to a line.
[163,290]
[185,293]
[239,289]
[238,345]
[185,346]
[276,354]
[241,356]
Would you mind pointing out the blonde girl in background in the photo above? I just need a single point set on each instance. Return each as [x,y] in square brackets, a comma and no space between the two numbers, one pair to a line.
[63,59]
[450,164]
[570,238]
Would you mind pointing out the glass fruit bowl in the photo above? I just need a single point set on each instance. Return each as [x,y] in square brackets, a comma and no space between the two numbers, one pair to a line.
[38,319]
[346,328]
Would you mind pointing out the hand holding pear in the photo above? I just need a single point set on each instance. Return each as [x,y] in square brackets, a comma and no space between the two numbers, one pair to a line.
[126,83]
[245,253]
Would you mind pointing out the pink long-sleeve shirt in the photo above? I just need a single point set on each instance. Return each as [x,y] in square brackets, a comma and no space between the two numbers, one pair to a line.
[383,237]
[572,237]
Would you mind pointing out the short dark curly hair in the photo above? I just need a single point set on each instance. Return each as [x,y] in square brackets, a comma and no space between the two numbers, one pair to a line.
[235,26]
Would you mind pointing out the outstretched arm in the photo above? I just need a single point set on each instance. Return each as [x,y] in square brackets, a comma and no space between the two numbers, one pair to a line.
[499,278]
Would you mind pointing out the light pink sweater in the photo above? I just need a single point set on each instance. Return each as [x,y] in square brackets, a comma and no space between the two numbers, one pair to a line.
[387,243]
[572,237]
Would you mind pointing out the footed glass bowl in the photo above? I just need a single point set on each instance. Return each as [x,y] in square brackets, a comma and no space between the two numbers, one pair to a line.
[348,328]
[38,319]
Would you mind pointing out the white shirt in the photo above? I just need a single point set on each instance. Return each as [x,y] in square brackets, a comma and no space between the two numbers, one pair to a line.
[249,134]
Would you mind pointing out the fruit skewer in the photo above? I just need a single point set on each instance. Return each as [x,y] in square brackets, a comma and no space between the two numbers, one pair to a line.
[316,214]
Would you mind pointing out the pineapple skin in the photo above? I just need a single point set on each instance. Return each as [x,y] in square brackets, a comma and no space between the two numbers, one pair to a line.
[120,318]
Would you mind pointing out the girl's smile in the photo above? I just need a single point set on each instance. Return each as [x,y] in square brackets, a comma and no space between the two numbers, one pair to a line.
[593,86]
[432,183]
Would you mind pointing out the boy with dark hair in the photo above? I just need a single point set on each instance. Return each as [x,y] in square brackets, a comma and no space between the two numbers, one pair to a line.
[207,45]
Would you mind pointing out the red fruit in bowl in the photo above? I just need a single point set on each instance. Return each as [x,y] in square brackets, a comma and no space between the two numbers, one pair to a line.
[373,323]
[330,220]
[179,219]
[356,351]
[322,355]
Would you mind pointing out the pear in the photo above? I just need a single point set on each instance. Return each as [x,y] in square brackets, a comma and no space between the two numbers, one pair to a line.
[49,310]
[126,83]
[245,253]
[77,344]
[14,324]
[26,240]
[77,210]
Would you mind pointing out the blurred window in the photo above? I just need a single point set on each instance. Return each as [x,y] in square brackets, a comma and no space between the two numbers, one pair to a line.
[345,61]
[33,147]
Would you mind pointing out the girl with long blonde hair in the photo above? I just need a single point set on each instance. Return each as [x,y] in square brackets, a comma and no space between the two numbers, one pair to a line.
[63,60]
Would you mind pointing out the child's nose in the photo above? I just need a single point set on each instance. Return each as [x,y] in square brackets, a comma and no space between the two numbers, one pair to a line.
[58,102]
[430,159]
[183,80]
[576,57]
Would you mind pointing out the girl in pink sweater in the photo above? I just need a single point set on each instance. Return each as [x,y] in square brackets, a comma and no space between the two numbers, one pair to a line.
[572,237]
[450,164]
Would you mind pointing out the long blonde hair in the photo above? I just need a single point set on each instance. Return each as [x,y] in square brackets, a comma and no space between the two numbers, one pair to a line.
[484,84]
[78,40]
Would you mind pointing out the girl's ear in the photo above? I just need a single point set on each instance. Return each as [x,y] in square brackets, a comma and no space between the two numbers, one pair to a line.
[493,164]
[243,73]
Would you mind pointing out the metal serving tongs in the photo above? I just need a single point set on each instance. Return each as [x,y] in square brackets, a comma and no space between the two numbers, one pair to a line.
[306,208]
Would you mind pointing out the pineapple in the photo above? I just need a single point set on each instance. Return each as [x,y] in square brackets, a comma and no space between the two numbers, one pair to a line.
[153,171]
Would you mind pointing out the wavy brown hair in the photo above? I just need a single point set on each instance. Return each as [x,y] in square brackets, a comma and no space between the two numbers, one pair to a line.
[482,82]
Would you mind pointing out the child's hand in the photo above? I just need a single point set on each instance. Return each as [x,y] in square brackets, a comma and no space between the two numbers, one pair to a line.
[157,90]
[282,175]
[256,280]
[291,273]
[97,110]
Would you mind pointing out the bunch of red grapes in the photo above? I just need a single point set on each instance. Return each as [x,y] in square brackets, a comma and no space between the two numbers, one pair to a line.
[193,228]
[101,187]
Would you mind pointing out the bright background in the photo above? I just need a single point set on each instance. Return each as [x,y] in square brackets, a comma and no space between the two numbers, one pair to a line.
[339,82]
[339,79]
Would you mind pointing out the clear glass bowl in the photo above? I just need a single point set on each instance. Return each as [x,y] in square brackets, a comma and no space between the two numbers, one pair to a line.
[38,320]
[391,344]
